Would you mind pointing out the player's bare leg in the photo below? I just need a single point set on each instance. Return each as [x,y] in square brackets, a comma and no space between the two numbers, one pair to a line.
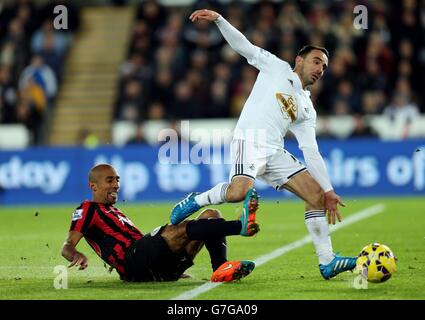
[176,237]
[178,242]
[305,187]
[194,246]
[238,188]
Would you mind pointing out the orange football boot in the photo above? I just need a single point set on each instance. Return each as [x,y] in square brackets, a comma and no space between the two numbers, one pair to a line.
[232,270]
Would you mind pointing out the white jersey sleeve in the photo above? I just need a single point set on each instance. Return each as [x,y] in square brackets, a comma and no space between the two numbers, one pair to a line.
[305,133]
[256,56]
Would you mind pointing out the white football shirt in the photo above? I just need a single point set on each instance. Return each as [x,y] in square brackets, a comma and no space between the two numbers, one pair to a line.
[277,103]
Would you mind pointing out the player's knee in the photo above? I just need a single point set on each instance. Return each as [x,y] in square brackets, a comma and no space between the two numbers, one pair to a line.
[210,213]
[175,235]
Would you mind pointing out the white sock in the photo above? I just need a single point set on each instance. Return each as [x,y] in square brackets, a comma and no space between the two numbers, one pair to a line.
[216,195]
[318,228]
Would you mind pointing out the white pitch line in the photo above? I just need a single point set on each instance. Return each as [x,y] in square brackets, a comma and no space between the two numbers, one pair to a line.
[360,215]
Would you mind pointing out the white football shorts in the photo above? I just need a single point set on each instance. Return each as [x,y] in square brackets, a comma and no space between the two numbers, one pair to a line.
[274,166]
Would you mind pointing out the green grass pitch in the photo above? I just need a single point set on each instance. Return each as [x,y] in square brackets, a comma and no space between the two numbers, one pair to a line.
[31,238]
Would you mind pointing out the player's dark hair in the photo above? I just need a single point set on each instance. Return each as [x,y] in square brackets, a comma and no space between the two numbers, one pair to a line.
[308,48]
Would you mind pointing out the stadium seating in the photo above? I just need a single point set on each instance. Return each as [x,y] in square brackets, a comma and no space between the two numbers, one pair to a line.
[84,105]
[177,75]
[171,69]
[32,53]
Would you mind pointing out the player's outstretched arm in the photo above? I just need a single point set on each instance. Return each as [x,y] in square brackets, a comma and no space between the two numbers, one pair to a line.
[232,35]
[70,253]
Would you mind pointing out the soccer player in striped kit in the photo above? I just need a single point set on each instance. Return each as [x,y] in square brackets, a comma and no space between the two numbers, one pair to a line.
[279,102]
[164,253]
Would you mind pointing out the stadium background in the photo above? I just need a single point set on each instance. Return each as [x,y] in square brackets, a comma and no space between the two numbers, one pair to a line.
[103,90]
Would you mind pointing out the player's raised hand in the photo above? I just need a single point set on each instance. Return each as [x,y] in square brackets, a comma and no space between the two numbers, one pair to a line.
[332,200]
[204,14]
[80,260]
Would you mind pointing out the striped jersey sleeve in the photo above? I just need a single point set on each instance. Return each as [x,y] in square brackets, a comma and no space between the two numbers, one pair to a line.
[82,217]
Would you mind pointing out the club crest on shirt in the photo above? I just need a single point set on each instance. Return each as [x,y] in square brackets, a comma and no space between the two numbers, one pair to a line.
[77,215]
[287,105]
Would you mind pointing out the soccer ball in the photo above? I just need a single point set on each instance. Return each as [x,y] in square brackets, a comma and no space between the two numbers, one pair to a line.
[376,262]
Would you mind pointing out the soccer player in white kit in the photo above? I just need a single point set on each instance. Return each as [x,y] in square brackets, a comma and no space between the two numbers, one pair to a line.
[279,102]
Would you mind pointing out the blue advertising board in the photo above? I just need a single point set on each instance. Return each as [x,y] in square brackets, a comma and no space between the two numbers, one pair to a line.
[59,175]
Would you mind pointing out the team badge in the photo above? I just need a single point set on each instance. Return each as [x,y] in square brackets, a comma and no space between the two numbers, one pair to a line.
[287,105]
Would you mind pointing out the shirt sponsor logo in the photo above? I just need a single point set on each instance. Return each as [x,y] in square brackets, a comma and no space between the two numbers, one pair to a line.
[287,105]
[124,220]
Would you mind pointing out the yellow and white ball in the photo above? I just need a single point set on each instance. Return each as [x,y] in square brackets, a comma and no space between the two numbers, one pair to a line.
[376,262]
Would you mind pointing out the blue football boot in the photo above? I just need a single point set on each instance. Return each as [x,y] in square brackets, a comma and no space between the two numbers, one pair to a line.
[337,265]
[184,208]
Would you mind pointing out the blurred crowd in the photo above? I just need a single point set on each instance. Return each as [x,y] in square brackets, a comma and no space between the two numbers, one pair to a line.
[32,54]
[177,69]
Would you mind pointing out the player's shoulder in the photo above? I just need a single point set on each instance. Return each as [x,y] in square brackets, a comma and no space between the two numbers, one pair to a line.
[280,65]
[286,67]
[86,204]
[82,209]
[113,208]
